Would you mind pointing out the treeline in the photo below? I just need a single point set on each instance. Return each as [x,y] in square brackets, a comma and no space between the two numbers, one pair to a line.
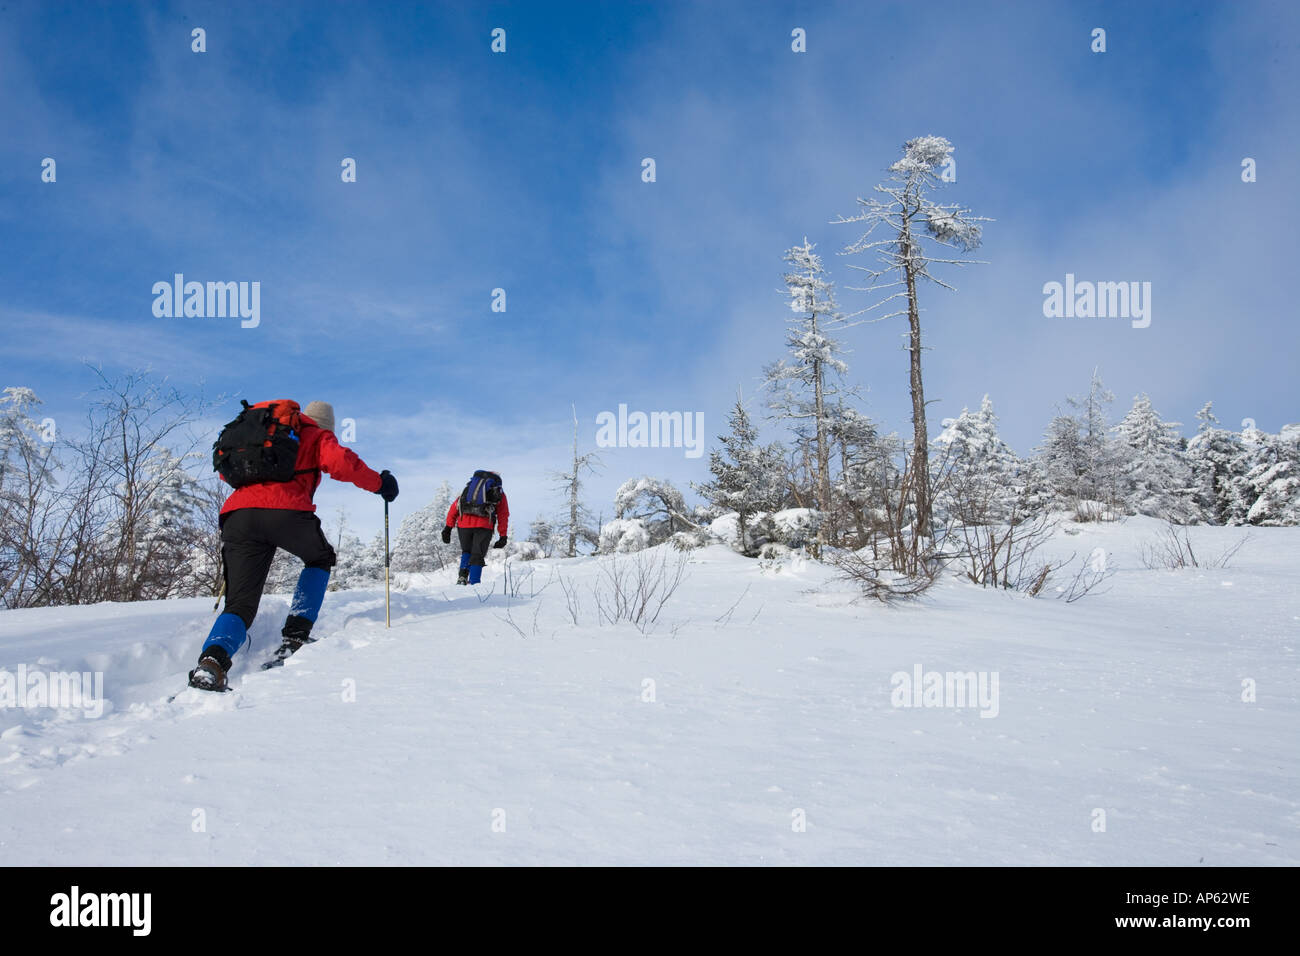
[127,510]
[1087,468]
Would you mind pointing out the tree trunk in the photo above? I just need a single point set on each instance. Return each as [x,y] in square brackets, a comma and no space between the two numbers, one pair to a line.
[573,493]
[823,451]
[920,441]
[823,465]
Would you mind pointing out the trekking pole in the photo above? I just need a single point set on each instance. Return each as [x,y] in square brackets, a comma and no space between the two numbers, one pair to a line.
[387,617]
[222,592]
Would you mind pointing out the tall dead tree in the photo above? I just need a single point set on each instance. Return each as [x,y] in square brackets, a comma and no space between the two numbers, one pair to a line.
[578,527]
[899,226]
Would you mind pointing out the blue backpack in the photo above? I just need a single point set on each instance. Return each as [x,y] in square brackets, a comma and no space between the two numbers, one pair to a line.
[481,494]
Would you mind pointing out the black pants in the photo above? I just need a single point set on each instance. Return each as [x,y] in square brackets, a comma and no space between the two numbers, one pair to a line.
[249,538]
[474,542]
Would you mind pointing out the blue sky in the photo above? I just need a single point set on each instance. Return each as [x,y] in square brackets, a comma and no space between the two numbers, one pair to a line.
[522,171]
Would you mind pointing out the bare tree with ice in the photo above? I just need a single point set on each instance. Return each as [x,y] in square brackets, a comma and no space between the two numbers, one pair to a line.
[909,233]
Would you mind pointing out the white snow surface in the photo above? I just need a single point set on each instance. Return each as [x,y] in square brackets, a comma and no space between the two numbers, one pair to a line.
[771,696]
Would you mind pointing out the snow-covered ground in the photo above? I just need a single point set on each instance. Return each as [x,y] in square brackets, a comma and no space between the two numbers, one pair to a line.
[457,737]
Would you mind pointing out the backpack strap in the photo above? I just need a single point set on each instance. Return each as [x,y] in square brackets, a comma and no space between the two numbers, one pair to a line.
[311,471]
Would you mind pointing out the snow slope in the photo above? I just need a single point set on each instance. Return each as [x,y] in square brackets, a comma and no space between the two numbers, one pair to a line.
[472,742]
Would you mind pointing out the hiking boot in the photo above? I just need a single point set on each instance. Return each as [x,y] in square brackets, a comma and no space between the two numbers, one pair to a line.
[463,576]
[296,632]
[210,674]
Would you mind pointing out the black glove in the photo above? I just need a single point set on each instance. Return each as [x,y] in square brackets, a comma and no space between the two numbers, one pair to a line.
[501,542]
[387,490]
[446,535]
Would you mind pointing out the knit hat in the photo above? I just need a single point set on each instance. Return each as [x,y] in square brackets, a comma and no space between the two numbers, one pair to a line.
[322,413]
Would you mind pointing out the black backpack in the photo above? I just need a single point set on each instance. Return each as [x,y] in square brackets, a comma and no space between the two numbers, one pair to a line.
[261,444]
[482,494]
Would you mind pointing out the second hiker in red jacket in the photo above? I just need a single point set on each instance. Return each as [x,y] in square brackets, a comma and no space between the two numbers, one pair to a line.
[481,507]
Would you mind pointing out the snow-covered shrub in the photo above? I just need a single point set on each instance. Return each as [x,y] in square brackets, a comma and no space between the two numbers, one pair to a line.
[792,528]
[776,557]
[624,536]
[1087,510]
[515,551]
[656,503]
[689,540]
[796,527]
[760,530]
[726,528]
[525,550]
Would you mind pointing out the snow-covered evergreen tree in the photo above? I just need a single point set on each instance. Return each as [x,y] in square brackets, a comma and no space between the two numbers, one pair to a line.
[804,383]
[1153,470]
[983,481]
[419,544]
[1061,459]
[1206,418]
[1077,457]
[1268,493]
[746,475]
[1099,479]
[21,437]
[542,532]
[372,556]
[1277,494]
[283,576]
[28,470]
[351,570]
[1217,458]
[1036,496]
[172,525]
[868,473]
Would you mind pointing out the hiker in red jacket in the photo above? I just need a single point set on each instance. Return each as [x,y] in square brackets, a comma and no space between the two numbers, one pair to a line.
[261,516]
[480,507]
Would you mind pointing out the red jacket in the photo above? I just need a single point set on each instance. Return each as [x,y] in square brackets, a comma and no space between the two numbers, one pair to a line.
[318,451]
[477,521]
